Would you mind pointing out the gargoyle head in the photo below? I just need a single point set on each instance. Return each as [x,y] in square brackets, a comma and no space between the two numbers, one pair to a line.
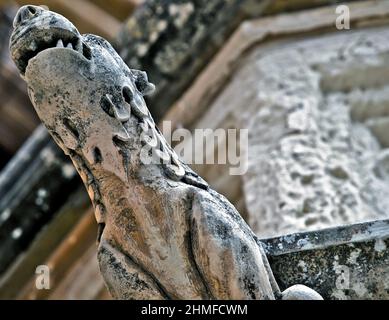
[80,87]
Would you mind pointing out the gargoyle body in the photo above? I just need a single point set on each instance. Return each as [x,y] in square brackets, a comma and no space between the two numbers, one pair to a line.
[164,234]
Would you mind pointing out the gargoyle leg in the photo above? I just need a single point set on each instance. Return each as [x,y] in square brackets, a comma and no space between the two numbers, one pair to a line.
[236,268]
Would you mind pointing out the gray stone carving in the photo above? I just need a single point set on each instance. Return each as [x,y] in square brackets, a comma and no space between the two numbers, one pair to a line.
[163,232]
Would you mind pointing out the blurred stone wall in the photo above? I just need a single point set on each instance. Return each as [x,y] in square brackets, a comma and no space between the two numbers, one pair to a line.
[315,102]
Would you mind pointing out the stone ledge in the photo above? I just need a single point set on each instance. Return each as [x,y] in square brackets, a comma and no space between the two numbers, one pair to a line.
[347,262]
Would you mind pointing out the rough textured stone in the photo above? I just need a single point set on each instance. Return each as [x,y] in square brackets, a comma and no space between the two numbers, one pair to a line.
[202,106]
[163,232]
[311,160]
[348,262]
[316,124]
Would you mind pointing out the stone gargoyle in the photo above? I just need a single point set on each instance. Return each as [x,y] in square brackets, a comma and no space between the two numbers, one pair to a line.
[163,232]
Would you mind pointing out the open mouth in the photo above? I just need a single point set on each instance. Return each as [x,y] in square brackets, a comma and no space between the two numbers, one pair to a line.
[59,38]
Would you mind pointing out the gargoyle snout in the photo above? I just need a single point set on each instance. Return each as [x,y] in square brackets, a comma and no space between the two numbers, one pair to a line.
[26,13]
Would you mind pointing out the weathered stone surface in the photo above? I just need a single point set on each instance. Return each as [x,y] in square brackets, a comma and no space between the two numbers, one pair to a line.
[163,232]
[311,162]
[348,262]
[317,153]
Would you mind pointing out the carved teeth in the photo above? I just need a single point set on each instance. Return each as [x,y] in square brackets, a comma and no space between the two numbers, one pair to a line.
[33,46]
[78,46]
[59,44]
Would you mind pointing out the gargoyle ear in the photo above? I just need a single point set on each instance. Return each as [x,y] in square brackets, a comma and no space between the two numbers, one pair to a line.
[142,83]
